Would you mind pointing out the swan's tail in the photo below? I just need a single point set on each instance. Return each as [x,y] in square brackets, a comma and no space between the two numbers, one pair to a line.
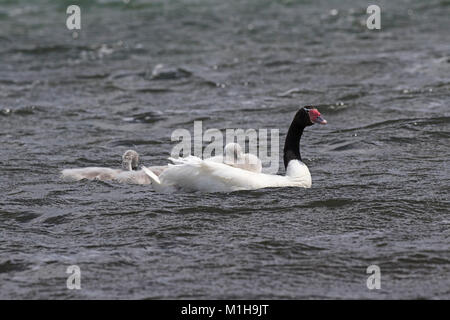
[153,177]
[189,160]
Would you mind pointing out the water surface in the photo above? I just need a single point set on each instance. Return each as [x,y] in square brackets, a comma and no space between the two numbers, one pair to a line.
[379,168]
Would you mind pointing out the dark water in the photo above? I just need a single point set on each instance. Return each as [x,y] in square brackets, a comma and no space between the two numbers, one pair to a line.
[380,168]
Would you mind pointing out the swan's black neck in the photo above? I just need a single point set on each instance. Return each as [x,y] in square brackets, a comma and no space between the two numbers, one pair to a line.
[292,142]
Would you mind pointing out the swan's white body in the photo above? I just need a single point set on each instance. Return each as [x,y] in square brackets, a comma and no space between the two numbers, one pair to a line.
[194,174]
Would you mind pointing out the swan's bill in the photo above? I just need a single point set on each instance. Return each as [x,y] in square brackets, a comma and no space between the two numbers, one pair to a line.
[320,120]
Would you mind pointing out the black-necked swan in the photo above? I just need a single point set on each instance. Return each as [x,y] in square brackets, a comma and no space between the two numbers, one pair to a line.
[128,173]
[194,174]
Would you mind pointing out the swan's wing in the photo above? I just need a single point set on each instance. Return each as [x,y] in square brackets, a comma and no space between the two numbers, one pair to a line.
[90,173]
[216,159]
[255,163]
[133,177]
[248,162]
[193,173]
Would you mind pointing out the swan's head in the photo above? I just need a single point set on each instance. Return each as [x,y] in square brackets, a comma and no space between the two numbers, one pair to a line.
[310,115]
[233,151]
[130,160]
